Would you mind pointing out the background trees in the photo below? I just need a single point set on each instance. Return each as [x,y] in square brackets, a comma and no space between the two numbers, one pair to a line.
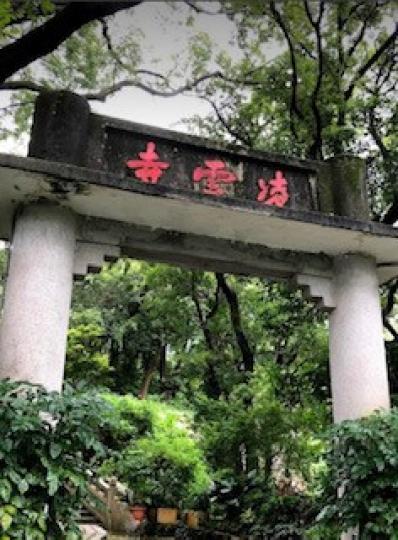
[246,358]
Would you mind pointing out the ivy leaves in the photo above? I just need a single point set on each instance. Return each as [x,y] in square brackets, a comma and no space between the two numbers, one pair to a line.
[49,442]
[361,479]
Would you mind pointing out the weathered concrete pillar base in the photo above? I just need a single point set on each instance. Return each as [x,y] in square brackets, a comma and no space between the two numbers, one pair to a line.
[357,355]
[37,296]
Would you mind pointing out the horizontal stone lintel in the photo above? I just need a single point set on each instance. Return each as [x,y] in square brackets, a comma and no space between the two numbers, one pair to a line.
[193,251]
[225,234]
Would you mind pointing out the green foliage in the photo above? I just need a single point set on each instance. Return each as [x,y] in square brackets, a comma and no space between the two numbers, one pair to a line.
[86,358]
[253,420]
[11,12]
[278,516]
[264,455]
[319,82]
[83,63]
[255,507]
[163,465]
[49,445]
[361,477]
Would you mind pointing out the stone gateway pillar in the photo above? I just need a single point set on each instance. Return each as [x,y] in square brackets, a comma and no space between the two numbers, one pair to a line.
[357,354]
[37,296]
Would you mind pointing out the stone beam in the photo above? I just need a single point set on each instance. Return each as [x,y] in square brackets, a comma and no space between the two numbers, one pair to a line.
[196,251]
[104,196]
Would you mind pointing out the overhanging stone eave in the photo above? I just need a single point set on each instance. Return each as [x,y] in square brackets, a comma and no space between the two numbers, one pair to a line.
[106,196]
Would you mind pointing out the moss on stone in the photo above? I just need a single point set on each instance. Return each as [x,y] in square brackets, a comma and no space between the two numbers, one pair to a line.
[342,187]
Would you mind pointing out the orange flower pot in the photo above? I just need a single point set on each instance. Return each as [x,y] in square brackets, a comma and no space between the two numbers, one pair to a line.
[138,512]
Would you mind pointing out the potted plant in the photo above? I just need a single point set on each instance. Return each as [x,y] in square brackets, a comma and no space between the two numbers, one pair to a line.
[138,505]
[139,512]
[197,504]
[192,519]
[170,479]
[153,481]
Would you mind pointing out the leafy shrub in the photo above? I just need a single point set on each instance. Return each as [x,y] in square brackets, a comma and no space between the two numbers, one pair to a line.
[86,356]
[48,445]
[131,418]
[251,505]
[361,479]
[163,465]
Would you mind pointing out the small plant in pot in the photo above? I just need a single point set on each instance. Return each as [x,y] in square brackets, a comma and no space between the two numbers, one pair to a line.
[153,481]
[170,481]
[156,479]
[196,508]
[138,504]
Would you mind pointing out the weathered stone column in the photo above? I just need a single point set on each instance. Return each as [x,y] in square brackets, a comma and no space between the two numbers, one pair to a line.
[357,355]
[37,297]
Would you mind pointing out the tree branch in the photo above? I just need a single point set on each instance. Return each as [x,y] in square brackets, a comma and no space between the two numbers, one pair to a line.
[361,32]
[241,339]
[391,216]
[294,108]
[109,90]
[103,94]
[246,140]
[47,37]
[23,85]
[213,384]
[156,360]
[390,299]
[193,5]
[385,71]
[201,317]
[216,304]
[391,329]
[376,135]
[372,60]
[306,50]
[351,12]
[109,44]
[316,147]
[106,92]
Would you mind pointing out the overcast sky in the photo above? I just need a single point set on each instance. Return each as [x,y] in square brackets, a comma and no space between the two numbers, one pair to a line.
[165,35]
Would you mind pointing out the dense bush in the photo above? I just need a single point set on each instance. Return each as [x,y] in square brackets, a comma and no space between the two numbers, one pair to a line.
[162,464]
[361,479]
[49,444]
[252,505]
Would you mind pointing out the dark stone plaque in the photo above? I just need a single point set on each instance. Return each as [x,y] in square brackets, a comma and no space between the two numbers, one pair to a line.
[193,165]
[140,155]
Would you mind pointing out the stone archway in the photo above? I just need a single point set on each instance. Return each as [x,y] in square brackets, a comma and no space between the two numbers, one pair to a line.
[95,187]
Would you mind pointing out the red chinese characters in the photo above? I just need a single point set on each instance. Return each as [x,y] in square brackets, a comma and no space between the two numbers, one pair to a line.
[148,169]
[215,175]
[275,192]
